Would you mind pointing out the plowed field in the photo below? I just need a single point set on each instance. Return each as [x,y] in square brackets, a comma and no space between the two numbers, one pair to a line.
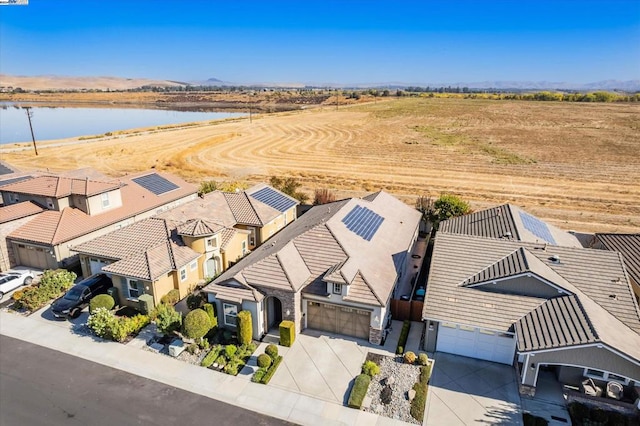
[575,164]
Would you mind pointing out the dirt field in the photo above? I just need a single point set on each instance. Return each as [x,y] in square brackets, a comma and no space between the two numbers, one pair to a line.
[575,164]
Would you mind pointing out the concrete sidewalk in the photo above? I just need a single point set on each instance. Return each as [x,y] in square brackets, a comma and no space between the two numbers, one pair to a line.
[238,391]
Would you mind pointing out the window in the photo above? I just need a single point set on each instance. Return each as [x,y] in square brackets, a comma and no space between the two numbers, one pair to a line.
[183,274]
[252,236]
[244,247]
[337,288]
[212,242]
[105,200]
[194,265]
[134,288]
[230,314]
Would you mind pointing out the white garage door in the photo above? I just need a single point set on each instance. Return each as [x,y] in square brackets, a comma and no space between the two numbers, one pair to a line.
[476,343]
[97,265]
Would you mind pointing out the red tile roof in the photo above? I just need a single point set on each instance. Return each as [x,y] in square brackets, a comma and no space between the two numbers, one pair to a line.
[58,187]
[18,211]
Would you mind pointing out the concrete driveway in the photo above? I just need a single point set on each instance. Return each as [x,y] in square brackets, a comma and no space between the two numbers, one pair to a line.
[466,391]
[321,366]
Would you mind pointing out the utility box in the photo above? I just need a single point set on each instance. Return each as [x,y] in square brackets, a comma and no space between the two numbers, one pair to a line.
[176,347]
[113,292]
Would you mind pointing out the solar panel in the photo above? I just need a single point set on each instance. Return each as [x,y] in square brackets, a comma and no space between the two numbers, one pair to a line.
[363,222]
[155,183]
[274,199]
[537,227]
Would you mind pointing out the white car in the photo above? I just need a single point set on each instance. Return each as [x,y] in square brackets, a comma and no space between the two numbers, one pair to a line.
[14,278]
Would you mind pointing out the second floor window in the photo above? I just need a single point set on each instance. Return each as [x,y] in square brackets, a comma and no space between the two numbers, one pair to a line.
[105,200]
[337,288]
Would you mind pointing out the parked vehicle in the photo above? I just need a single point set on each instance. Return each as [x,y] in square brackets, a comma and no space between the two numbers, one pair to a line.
[77,298]
[14,278]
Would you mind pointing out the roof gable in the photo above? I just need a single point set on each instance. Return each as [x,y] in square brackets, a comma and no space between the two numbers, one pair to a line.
[629,246]
[361,292]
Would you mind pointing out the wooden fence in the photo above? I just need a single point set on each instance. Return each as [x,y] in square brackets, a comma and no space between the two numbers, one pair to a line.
[406,310]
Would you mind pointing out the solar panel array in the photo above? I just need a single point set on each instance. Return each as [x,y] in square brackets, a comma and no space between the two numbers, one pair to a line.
[537,227]
[363,222]
[273,198]
[155,183]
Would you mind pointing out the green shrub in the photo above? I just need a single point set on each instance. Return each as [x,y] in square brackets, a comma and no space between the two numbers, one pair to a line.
[167,319]
[127,326]
[194,301]
[106,325]
[409,357]
[208,308]
[264,361]
[287,333]
[370,368]
[196,324]
[101,322]
[230,351]
[171,298]
[231,369]
[359,391]
[145,303]
[210,358]
[52,285]
[203,344]
[272,351]
[192,348]
[404,334]
[221,360]
[245,351]
[271,371]
[101,301]
[258,375]
[423,359]
[245,327]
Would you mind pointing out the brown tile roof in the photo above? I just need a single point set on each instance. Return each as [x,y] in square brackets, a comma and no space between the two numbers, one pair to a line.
[18,211]
[211,207]
[242,209]
[199,228]
[227,235]
[58,187]
[629,246]
[360,292]
[53,227]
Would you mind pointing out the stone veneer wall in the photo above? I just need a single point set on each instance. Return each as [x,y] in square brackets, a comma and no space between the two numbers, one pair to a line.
[375,336]
[290,302]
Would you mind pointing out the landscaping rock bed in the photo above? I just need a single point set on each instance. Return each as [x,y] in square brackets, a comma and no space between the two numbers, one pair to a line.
[185,356]
[398,376]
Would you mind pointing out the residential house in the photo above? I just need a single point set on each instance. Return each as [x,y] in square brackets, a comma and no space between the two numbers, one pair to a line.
[526,300]
[334,269]
[13,217]
[143,258]
[629,246]
[79,210]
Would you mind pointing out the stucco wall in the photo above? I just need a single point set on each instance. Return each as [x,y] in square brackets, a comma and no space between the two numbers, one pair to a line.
[95,202]
[592,357]
[257,321]
[233,251]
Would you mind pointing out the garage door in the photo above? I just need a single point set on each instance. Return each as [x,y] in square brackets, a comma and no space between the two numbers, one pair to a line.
[32,256]
[96,265]
[338,319]
[475,342]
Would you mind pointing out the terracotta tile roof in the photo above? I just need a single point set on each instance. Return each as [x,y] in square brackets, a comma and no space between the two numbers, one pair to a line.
[53,227]
[227,235]
[58,187]
[199,228]
[18,211]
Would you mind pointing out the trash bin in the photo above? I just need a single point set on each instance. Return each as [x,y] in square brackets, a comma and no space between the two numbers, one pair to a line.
[113,292]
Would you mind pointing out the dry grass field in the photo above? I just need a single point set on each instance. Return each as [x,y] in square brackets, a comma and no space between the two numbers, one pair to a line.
[575,164]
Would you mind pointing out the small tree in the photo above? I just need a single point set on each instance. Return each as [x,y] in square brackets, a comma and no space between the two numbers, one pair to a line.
[196,324]
[323,196]
[167,319]
[289,186]
[245,327]
[207,186]
[446,207]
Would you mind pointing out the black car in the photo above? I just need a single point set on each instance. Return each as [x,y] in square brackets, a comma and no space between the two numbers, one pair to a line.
[77,298]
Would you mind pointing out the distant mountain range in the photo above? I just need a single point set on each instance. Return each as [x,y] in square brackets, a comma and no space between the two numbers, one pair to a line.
[53,82]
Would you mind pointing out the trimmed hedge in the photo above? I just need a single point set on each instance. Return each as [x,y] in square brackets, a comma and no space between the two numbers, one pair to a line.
[245,327]
[271,350]
[404,334]
[359,391]
[211,357]
[101,301]
[420,400]
[271,371]
[287,333]
[196,324]
[210,310]
[171,298]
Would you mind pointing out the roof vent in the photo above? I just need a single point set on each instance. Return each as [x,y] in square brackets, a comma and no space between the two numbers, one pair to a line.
[507,234]
[555,258]
[613,296]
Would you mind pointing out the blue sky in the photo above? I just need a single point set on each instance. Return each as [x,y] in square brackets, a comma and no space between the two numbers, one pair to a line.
[428,41]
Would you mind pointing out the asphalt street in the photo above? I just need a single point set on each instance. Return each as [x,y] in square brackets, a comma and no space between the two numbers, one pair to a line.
[40,386]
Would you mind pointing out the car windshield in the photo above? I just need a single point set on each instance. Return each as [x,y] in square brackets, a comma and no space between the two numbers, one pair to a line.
[74,293]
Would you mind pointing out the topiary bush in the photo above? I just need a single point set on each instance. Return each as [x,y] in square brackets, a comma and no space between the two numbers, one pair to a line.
[196,324]
[209,309]
[271,370]
[409,357]
[264,361]
[359,391]
[404,334]
[287,333]
[370,368]
[258,375]
[271,350]
[423,359]
[245,327]
[101,301]
[171,298]
[167,319]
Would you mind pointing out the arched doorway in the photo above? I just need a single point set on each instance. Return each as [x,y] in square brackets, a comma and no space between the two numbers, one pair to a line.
[212,266]
[273,312]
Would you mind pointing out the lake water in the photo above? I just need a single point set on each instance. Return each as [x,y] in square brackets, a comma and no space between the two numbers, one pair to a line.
[58,122]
